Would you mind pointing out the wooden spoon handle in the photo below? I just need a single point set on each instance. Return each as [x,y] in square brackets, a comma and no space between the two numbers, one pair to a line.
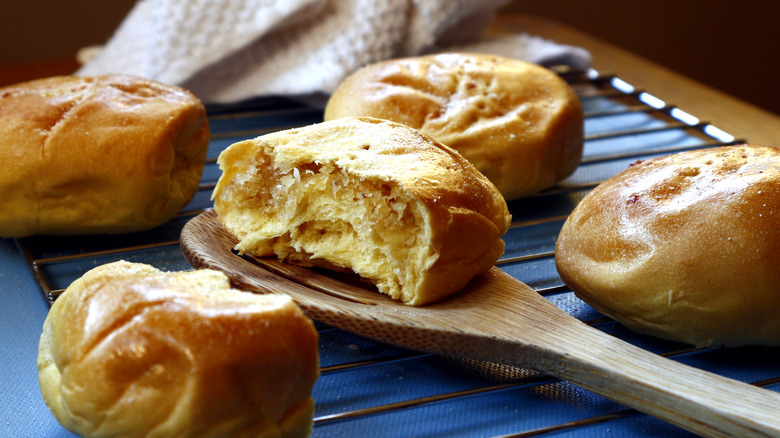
[696,400]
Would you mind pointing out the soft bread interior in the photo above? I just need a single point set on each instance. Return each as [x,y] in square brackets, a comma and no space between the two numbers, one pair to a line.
[375,197]
[319,214]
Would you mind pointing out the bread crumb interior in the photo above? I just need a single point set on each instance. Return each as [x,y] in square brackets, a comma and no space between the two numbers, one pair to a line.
[318,214]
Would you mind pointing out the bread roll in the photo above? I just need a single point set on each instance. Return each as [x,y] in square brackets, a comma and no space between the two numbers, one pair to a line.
[130,351]
[104,154]
[520,124]
[376,197]
[684,247]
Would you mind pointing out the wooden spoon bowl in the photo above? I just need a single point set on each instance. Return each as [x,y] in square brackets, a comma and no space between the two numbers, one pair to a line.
[496,318]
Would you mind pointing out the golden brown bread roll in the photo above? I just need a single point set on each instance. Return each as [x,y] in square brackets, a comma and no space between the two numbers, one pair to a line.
[131,351]
[520,124]
[684,247]
[375,197]
[104,154]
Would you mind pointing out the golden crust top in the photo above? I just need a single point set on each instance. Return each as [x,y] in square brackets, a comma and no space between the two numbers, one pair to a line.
[684,246]
[103,154]
[129,350]
[518,123]
[373,148]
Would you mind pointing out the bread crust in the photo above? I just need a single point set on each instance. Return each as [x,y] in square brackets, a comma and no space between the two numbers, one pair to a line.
[520,124]
[684,247]
[102,154]
[128,350]
[456,233]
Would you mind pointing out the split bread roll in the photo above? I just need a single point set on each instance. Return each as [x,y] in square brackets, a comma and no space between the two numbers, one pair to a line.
[520,124]
[128,350]
[684,247]
[93,155]
[375,197]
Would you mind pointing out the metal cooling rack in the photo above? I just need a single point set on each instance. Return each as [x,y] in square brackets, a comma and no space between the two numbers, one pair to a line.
[371,389]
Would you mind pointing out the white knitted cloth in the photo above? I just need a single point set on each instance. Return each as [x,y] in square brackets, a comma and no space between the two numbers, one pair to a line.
[230,50]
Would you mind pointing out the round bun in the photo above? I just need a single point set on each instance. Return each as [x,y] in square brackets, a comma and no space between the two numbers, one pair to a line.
[130,351]
[684,247]
[520,124]
[372,196]
[103,154]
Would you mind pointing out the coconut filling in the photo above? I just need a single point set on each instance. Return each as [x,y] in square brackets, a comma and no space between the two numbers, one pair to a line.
[318,214]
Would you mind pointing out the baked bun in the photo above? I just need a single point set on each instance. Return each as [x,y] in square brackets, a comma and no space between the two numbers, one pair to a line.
[130,351]
[375,197]
[103,154]
[520,124]
[684,247]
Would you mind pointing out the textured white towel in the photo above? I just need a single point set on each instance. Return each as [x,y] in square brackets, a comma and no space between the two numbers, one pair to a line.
[230,50]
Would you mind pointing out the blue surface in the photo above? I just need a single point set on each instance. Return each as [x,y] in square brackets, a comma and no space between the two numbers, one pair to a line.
[532,403]
[22,411]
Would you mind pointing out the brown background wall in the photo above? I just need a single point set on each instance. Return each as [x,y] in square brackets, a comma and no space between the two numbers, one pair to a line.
[40,29]
[733,46]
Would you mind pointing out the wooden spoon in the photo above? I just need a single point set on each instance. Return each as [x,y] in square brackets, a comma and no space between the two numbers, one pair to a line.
[497,318]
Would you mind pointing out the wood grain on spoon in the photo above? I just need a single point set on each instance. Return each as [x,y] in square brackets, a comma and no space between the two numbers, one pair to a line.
[497,318]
